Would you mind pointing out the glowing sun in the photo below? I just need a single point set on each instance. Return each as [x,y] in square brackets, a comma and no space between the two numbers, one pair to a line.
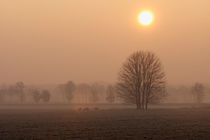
[145,18]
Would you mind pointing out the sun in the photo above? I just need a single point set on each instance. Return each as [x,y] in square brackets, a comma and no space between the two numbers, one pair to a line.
[145,18]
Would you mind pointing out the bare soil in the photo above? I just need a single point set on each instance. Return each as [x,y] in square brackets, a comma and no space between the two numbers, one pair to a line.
[104,124]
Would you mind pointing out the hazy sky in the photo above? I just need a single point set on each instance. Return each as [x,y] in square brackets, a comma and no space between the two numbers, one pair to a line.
[53,41]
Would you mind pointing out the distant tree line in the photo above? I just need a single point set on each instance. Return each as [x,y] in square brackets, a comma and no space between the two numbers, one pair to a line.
[87,93]
[196,93]
[70,93]
[19,93]
[141,81]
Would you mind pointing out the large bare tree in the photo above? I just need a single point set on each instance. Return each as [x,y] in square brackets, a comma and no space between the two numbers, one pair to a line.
[141,79]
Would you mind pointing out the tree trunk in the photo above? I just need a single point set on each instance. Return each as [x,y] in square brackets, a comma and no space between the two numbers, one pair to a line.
[147,102]
[143,100]
[137,106]
[146,105]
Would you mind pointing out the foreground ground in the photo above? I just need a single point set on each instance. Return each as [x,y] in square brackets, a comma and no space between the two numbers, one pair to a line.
[61,124]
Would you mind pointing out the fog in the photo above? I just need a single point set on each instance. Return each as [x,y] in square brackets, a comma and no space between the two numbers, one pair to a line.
[98,93]
[90,69]
[51,42]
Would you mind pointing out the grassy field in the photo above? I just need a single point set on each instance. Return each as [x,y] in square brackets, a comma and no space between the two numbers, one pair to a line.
[67,123]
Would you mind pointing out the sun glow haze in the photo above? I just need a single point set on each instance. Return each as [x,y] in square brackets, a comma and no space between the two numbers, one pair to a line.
[145,18]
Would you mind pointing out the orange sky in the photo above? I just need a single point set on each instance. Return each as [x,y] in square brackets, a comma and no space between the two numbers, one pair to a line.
[53,41]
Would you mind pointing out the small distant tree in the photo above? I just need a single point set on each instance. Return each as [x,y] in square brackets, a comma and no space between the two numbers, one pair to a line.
[94,95]
[19,90]
[45,96]
[110,92]
[36,95]
[1,95]
[198,92]
[84,90]
[67,90]
[141,79]
[96,90]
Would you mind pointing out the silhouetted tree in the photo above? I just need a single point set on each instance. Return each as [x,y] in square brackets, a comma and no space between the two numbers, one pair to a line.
[19,90]
[96,89]
[198,92]
[110,91]
[45,96]
[67,90]
[2,94]
[84,89]
[36,95]
[141,79]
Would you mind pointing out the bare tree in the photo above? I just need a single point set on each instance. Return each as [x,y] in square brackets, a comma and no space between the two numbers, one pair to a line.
[110,91]
[85,90]
[141,79]
[96,90]
[198,92]
[2,95]
[19,90]
[36,95]
[94,93]
[45,96]
[67,90]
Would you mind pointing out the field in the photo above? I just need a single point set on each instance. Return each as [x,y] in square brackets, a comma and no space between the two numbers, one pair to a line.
[51,123]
